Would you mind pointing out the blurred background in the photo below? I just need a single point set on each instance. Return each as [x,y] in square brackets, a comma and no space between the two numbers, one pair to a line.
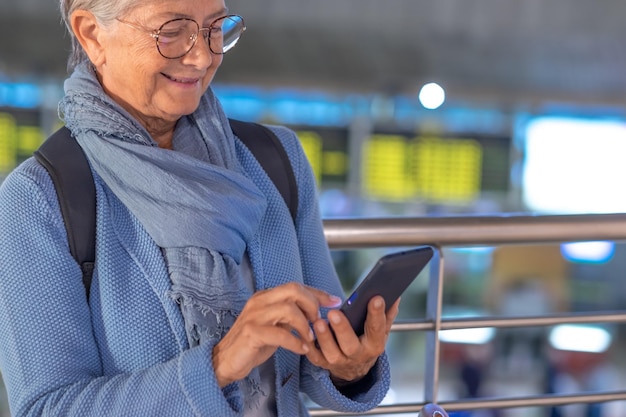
[426,108]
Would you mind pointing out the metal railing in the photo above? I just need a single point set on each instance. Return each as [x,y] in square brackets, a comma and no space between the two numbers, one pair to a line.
[441,232]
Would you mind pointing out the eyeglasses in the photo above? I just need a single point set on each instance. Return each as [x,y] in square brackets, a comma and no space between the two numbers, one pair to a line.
[176,37]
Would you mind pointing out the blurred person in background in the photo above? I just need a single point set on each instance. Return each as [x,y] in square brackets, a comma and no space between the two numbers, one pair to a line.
[206,298]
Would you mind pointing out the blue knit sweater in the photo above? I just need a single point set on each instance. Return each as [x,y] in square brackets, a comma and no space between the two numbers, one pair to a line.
[124,351]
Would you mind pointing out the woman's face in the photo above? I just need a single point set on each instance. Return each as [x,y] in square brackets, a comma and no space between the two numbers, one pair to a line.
[152,88]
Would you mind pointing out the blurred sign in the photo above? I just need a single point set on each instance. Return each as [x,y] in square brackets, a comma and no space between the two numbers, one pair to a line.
[394,166]
[434,169]
[20,136]
[327,152]
[399,167]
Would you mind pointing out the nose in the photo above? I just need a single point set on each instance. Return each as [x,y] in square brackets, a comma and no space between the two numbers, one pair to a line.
[200,54]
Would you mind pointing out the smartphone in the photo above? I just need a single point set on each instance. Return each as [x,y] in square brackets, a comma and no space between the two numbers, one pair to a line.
[390,277]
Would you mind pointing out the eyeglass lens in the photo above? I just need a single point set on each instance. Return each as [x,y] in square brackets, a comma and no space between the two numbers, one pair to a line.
[176,37]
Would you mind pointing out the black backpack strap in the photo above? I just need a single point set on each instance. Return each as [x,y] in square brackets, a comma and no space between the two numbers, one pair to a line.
[67,165]
[271,154]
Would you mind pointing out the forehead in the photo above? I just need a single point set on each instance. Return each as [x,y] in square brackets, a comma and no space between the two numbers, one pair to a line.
[202,11]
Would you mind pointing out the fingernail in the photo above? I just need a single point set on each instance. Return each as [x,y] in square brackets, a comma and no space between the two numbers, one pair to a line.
[320,328]
[334,318]
[437,414]
[305,348]
[336,301]
[378,303]
[311,335]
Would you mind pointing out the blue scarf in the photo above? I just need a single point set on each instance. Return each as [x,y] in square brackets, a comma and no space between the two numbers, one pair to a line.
[201,210]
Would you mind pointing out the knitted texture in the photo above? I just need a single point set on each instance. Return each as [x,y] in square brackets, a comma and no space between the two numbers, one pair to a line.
[126,353]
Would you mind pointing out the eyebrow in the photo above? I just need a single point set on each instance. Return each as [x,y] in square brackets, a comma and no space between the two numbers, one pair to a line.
[209,18]
[212,17]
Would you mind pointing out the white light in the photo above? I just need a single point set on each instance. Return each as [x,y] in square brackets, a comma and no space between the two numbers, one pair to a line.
[432,96]
[477,336]
[574,166]
[591,252]
[580,338]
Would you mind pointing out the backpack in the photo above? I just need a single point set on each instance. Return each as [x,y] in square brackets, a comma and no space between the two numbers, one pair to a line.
[65,161]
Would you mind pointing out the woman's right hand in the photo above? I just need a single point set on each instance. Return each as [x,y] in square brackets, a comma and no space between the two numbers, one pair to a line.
[265,324]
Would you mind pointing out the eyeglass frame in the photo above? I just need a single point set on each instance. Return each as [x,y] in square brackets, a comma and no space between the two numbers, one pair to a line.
[156,32]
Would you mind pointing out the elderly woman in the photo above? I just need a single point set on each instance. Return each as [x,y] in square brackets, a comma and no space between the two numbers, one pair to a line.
[205,299]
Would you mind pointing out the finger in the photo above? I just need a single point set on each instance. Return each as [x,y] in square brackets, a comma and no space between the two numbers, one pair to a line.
[321,298]
[392,313]
[277,336]
[346,338]
[376,330]
[315,355]
[308,299]
[326,340]
[289,294]
[325,299]
[288,315]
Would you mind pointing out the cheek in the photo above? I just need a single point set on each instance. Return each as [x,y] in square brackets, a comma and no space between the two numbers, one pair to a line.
[131,59]
[135,75]
[132,78]
[145,54]
[217,60]
[213,67]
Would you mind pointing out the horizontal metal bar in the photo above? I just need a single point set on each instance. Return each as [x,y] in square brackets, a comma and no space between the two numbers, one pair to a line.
[472,230]
[486,403]
[483,231]
[536,401]
[477,322]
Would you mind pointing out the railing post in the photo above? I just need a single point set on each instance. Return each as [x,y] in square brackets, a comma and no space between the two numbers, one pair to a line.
[433,313]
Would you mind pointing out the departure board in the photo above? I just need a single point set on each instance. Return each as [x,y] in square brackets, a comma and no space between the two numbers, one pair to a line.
[312,144]
[386,168]
[395,166]
[400,167]
[20,136]
[435,169]
[446,169]
[327,152]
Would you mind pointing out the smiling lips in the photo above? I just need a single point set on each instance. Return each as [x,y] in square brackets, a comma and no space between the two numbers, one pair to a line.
[183,80]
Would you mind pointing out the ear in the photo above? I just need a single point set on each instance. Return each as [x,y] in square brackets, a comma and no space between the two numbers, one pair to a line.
[89,34]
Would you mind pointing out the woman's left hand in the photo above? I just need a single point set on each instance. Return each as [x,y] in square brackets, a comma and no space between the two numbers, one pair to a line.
[350,357]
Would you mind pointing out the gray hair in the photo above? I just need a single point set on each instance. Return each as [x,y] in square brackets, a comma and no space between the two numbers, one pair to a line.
[105,11]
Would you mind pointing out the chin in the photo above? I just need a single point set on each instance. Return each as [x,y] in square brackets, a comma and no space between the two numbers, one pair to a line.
[179,112]
[190,106]
[189,111]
